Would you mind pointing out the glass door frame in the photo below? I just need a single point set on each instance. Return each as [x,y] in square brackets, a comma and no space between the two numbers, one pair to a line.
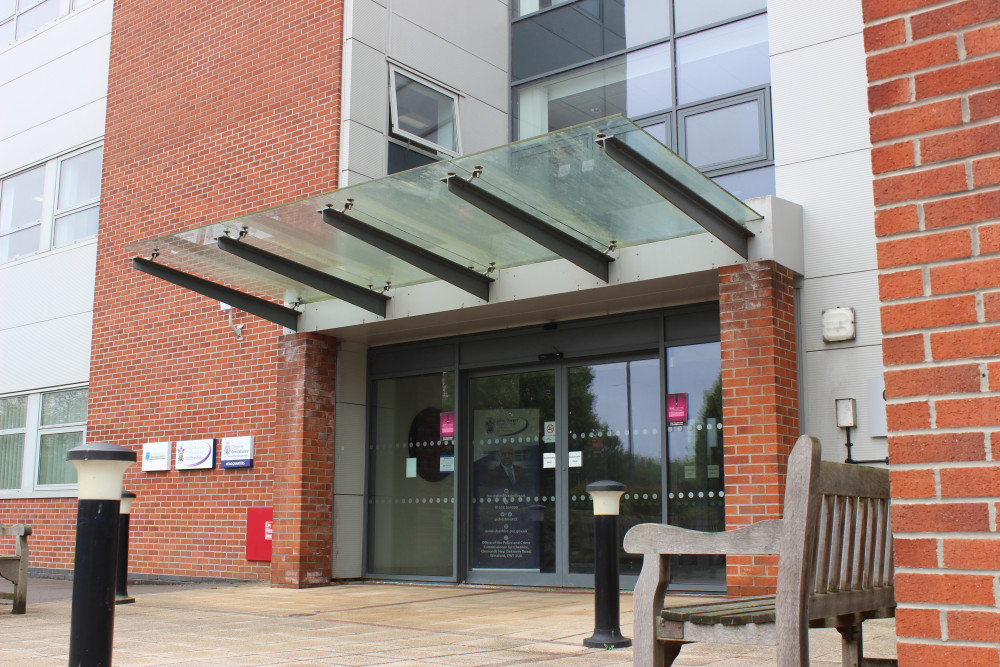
[464,506]
[562,577]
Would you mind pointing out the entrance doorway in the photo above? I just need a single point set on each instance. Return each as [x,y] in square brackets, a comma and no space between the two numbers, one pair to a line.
[481,448]
[538,437]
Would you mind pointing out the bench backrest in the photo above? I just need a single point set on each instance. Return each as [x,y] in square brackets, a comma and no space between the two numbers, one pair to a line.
[844,564]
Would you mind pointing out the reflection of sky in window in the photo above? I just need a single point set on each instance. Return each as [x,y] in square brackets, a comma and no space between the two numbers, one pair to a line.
[611,402]
[691,369]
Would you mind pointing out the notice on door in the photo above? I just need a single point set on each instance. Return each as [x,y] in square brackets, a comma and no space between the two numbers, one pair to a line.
[507,535]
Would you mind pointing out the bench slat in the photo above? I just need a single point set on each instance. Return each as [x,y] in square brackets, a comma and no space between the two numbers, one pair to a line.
[730,612]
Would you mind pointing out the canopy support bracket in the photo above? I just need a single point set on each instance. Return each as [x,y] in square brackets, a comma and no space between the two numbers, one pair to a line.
[717,223]
[462,277]
[272,312]
[589,259]
[373,302]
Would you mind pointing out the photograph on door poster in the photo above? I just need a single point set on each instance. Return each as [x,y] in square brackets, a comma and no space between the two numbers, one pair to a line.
[505,485]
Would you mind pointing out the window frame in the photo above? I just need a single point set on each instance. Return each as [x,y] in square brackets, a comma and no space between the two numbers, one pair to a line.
[64,9]
[409,137]
[50,198]
[675,113]
[763,126]
[31,451]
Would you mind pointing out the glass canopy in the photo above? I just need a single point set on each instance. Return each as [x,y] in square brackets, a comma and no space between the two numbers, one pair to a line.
[567,186]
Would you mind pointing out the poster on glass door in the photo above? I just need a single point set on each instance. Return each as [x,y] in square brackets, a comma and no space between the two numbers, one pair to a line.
[506,522]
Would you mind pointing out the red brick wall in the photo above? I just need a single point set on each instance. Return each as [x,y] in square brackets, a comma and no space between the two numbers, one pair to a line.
[934,94]
[760,405]
[214,110]
[303,475]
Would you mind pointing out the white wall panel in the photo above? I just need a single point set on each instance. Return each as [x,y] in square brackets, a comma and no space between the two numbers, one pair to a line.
[63,37]
[48,286]
[51,139]
[366,21]
[482,126]
[367,99]
[451,65]
[841,374]
[480,28]
[46,354]
[819,101]
[793,24]
[366,150]
[857,290]
[837,211]
[56,88]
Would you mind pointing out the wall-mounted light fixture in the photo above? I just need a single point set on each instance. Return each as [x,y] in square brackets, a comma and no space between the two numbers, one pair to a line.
[838,324]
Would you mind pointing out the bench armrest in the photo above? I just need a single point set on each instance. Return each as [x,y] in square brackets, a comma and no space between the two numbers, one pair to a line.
[758,538]
[17,530]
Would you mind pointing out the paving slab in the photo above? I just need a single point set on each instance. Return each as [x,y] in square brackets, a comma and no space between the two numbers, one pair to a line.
[363,624]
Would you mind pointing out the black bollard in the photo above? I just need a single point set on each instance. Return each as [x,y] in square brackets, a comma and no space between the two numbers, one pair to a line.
[100,467]
[607,628]
[121,592]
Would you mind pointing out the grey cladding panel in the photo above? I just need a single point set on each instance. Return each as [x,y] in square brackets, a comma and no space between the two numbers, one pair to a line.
[571,340]
[692,325]
[392,361]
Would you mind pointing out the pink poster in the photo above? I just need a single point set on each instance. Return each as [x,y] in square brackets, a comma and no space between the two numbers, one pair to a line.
[447,425]
[677,409]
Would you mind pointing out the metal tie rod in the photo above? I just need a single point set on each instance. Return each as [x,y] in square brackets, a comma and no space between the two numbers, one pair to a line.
[370,300]
[460,276]
[272,312]
[696,207]
[568,247]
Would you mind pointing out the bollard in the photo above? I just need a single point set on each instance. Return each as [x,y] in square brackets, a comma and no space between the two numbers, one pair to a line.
[99,467]
[607,628]
[121,592]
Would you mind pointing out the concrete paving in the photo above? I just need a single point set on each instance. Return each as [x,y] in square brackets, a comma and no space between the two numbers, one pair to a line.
[362,624]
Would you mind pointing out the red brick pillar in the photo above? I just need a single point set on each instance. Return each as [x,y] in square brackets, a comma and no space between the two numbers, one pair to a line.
[759,403]
[303,467]
[935,128]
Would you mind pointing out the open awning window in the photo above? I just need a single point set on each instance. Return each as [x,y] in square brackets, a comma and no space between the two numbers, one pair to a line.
[575,194]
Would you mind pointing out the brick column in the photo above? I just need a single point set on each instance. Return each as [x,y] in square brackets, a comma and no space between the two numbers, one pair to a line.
[303,467]
[935,128]
[760,405]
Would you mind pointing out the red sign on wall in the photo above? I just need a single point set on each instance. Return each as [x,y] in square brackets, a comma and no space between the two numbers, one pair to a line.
[259,531]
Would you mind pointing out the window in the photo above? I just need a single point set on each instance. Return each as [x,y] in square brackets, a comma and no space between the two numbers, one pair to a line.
[50,205]
[694,74]
[36,431]
[21,18]
[423,113]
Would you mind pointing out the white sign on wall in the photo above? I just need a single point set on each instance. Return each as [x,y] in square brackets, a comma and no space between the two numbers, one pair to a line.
[237,452]
[155,456]
[196,454]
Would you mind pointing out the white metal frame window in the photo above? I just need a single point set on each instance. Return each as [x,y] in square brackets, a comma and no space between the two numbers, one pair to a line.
[52,204]
[22,18]
[424,113]
[36,431]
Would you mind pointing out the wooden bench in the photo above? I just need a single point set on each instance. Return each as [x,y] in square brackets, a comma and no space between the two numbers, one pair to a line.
[834,549]
[15,568]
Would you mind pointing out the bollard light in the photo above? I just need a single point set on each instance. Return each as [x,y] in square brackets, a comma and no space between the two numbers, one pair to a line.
[121,592]
[99,467]
[607,629]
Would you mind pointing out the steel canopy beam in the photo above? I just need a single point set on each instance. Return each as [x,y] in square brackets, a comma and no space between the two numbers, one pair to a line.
[272,312]
[370,300]
[568,247]
[460,276]
[717,223]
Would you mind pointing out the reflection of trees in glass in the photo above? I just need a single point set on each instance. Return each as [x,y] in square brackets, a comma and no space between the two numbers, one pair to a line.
[607,455]
[701,512]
